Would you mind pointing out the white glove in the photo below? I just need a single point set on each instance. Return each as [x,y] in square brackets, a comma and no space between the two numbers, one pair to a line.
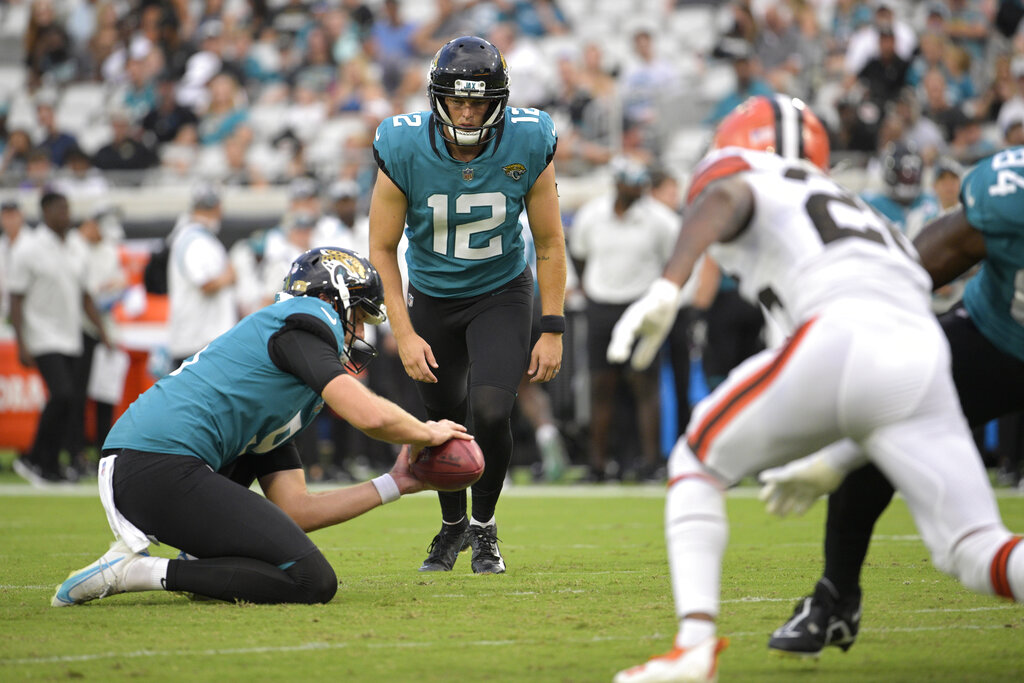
[795,486]
[650,318]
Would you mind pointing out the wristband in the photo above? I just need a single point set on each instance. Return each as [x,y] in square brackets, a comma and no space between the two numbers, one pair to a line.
[552,323]
[386,488]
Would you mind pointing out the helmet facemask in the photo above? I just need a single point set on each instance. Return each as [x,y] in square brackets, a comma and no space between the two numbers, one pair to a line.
[348,282]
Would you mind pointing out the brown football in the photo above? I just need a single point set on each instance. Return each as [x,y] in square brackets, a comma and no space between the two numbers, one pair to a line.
[452,466]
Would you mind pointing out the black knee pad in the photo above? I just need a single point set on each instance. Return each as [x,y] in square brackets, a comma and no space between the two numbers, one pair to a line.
[491,407]
[315,578]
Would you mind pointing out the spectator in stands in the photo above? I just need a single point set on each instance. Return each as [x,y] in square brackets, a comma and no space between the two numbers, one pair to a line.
[15,159]
[236,168]
[647,80]
[968,27]
[1001,89]
[307,112]
[885,74]
[48,298]
[937,106]
[200,278]
[125,152]
[782,51]
[167,118]
[263,63]
[931,55]
[619,244]
[969,143]
[38,170]
[587,141]
[530,76]
[317,70]
[101,44]
[55,142]
[533,18]
[201,67]
[79,178]
[918,131]
[748,83]
[355,86]
[138,93]
[1013,108]
[958,66]
[48,51]
[226,111]
[394,44]
[863,44]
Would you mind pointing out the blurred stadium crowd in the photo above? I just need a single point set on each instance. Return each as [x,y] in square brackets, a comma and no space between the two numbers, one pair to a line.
[116,103]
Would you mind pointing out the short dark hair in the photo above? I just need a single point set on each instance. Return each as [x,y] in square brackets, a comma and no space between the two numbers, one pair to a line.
[49,198]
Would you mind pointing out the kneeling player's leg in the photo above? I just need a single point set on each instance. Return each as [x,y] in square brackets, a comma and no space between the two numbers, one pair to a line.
[853,509]
[249,549]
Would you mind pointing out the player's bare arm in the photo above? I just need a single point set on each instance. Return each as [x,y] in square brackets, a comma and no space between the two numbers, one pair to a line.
[549,239]
[387,221]
[719,214]
[384,420]
[949,247]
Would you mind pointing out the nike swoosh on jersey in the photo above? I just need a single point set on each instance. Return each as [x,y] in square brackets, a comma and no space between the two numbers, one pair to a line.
[331,318]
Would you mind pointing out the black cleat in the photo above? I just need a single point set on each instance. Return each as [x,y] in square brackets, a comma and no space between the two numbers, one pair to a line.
[486,556]
[446,546]
[819,620]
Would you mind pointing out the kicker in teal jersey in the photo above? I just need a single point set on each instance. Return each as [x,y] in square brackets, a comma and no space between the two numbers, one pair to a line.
[463,218]
[993,199]
[229,398]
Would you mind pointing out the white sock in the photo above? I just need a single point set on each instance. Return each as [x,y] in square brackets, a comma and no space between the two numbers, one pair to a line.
[546,434]
[461,520]
[696,532]
[146,574]
[693,632]
[473,521]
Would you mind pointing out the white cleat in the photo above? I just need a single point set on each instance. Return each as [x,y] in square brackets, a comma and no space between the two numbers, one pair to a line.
[697,664]
[103,577]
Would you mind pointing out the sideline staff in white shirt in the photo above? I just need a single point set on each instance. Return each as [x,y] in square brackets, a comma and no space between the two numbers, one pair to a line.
[199,279]
[48,296]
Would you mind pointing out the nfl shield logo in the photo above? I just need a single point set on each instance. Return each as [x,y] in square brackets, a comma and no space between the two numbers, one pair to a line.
[467,174]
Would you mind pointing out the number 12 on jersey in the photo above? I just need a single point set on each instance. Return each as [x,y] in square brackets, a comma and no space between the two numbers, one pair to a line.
[464,204]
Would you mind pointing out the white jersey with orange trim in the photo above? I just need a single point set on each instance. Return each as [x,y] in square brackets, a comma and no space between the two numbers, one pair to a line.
[809,242]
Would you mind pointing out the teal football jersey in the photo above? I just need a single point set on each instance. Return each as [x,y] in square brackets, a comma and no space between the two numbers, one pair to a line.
[463,218]
[993,200]
[229,398]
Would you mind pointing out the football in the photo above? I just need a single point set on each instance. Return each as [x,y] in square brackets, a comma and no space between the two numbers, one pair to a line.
[452,466]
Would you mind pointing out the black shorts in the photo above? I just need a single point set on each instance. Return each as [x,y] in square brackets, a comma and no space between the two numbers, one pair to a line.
[990,383]
[180,501]
[482,340]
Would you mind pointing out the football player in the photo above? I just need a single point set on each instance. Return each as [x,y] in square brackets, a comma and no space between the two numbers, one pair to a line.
[902,168]
[459,176]
[865,361]
[986,337]
[246,395]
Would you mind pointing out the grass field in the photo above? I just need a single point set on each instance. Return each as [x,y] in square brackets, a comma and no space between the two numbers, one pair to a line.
[587,593]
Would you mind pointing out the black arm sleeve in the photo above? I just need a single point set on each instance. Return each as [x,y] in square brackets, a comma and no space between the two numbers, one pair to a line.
[249,467]
[305,347]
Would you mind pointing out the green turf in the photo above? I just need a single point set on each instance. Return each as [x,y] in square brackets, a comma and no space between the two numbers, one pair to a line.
[587,593]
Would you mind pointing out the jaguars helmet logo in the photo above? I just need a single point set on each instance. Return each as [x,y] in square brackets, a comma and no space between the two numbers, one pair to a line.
[514,171]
